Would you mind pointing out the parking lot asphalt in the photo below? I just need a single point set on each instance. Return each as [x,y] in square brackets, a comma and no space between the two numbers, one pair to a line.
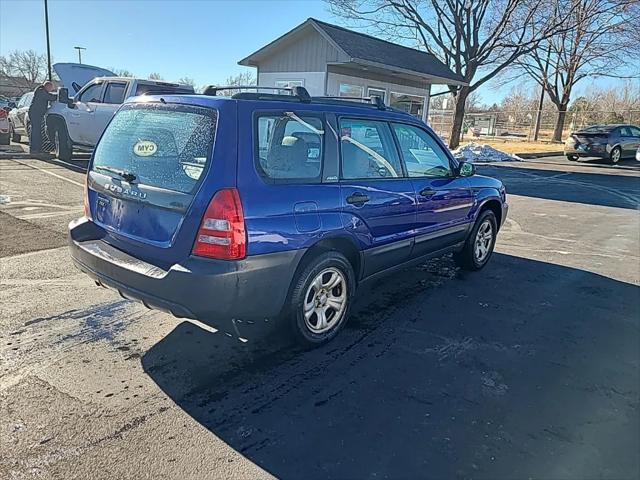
[528,369]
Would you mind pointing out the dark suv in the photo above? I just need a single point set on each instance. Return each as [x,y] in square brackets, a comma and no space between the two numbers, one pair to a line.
[263,206]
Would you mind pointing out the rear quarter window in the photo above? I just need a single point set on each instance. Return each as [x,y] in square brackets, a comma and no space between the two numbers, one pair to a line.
[165,146]
[290,147]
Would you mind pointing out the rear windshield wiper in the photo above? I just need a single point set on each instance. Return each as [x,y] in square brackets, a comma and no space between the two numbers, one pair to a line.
[126,176]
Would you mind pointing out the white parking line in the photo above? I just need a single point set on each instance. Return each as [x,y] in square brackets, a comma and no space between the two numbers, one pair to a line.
[50,173]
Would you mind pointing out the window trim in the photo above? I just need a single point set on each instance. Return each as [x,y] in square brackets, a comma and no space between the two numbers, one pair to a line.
[379,89]
[453,163]
[341,178]
[266,179]
[114,82]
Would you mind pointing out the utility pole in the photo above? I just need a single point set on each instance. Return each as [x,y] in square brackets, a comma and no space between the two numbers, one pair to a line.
[80,53]
[46,25]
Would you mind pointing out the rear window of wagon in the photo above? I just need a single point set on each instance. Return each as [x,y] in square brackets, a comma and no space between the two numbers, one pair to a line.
[163,145]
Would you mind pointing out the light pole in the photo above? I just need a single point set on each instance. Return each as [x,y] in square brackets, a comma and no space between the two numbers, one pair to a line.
[80,53]
[46,25]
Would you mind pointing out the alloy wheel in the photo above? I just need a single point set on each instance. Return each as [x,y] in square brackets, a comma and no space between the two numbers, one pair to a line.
[325,301]
[484,239]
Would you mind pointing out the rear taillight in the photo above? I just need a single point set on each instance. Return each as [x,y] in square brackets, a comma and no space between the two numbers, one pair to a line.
[3,113]
[222,232]
[87,209]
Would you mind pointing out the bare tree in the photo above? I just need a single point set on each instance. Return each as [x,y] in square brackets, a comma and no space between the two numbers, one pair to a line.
[187,81]
[600,44]
[123,72]
[242,78]
[477,39]
[155,76]
[26,64]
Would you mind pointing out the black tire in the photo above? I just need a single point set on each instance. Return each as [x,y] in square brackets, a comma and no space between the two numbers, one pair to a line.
[301,287]
[615,155]
[5,139]
[572,158]
[62,142]
[15,137]
[467,257]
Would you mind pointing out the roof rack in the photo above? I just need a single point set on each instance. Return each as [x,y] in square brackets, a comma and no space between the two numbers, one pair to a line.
[300,93]
[374,100]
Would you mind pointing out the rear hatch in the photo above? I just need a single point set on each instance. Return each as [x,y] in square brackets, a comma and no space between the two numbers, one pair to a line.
[146,172]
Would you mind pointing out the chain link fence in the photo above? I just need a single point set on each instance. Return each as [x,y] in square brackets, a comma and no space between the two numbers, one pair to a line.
[520,125]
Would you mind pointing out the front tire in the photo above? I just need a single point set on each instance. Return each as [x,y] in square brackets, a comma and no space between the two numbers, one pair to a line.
[615,155]
[572,158]
[320,299]
[478,247]
[62,142]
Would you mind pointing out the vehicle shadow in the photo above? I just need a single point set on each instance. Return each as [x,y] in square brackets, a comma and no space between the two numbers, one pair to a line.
[526,369]
[621,191]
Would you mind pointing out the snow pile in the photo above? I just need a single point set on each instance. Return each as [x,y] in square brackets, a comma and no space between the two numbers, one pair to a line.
[477,153]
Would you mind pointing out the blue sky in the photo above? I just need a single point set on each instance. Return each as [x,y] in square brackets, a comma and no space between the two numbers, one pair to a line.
[199,39]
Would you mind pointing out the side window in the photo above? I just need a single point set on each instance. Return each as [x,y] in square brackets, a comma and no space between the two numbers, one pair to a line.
[114,92]
[290,146]
[367,150]
[22,101]
[635,131]
[625,132]
[92,94]
[422,156]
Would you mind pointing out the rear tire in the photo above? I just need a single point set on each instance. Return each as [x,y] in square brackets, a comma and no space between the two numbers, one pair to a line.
[478,247]
[615,155]
[62,142]
[572,158]
[320,299]
[5,139]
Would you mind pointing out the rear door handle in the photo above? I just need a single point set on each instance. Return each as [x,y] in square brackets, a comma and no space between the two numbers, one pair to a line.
[358,199]
[428,192]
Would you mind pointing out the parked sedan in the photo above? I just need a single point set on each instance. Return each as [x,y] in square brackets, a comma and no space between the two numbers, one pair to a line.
[19,118]
[611,142]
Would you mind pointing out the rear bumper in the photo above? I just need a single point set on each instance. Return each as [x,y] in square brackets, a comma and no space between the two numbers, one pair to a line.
[213,291]
[599,151]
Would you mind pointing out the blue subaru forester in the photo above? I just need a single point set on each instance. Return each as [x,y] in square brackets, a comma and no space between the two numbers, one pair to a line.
[273,205]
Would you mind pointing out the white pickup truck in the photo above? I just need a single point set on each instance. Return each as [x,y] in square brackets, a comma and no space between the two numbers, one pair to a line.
[77,122]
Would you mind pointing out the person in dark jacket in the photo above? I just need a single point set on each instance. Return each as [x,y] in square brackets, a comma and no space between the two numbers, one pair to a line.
[39,105]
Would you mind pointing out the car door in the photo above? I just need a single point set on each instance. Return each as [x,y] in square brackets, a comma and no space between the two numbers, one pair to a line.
[114,94]
[378,201]
[630,140]
[444,200]
[81,120]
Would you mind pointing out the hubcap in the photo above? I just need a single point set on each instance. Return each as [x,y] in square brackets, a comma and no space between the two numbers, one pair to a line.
[325,301]
[484,238]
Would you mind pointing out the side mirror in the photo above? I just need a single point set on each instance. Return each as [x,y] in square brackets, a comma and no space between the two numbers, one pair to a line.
[63,95]
[466,169]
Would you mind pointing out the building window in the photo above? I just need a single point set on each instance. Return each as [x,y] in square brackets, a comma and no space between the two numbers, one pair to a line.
[412,104]
[289,83]
[377,92]
[355,91]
